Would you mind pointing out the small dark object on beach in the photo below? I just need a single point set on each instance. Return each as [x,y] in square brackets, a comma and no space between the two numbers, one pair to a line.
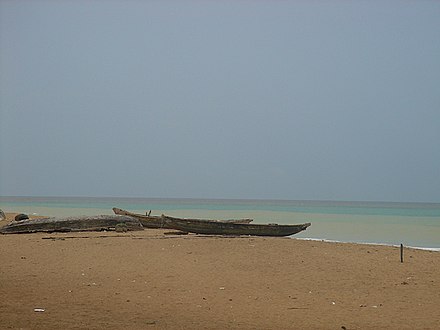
[21,217]
[177,232]
[2,215]
[401,252]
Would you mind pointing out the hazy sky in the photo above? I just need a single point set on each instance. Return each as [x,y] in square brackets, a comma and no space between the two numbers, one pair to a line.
[328,100]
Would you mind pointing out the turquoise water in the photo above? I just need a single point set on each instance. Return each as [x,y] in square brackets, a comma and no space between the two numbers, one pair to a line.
[413,224]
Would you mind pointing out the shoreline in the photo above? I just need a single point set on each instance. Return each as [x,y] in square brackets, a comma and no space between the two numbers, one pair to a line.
[368,243]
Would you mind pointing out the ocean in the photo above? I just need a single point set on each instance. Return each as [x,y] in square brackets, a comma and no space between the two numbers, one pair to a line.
[411,224]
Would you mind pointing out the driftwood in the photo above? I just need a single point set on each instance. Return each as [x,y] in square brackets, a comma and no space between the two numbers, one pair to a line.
[152,221]
[72,224]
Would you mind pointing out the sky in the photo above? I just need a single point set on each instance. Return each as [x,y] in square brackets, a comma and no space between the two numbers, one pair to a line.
[295,100]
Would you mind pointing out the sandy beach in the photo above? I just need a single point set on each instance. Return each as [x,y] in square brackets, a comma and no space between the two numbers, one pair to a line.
[146,279]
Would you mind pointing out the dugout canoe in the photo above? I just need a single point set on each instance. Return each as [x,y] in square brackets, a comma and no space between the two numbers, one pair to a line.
[228,228]
[153,221]
[73,224]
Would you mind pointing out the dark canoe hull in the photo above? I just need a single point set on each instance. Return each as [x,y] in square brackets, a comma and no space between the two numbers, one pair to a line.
[223,228]
[71,224]
[150,221]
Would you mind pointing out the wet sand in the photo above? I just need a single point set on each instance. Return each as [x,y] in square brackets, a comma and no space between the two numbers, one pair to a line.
[143,280]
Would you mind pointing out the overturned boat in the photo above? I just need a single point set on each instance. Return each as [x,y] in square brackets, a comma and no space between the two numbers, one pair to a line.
[73,224]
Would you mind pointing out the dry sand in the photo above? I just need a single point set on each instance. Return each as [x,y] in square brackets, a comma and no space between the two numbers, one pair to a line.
[143,280]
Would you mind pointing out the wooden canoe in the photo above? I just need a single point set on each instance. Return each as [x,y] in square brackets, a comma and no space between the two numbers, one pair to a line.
[228,228]
[69,224]
[152,221]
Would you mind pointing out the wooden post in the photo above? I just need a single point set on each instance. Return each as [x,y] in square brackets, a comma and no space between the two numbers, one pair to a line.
[401,252]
